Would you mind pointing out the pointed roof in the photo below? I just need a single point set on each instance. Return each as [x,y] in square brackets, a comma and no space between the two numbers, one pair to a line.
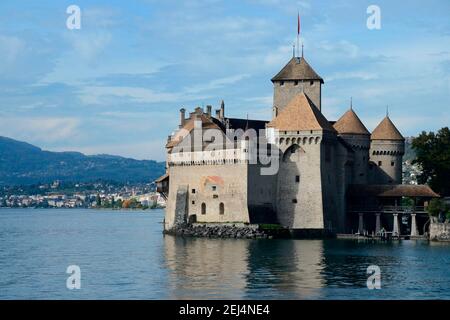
[297,69]
[300,114]
[386,130]
[351,124]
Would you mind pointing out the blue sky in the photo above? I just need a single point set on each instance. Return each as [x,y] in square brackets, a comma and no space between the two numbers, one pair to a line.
[115,86]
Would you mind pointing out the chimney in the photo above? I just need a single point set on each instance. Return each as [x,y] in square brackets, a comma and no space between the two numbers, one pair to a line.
[182,117]
[222,110]
[197,121]
[275,112]
[208,110]
[218,113]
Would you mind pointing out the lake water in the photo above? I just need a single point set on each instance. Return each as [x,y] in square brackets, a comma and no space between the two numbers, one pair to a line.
[124,255]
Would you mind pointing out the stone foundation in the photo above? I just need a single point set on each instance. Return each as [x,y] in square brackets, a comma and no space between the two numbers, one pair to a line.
[230,230]
[210,230]
[439,231]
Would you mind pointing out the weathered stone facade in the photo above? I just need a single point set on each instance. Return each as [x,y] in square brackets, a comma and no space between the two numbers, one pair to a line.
[439,231]
[216,181]
[285,90]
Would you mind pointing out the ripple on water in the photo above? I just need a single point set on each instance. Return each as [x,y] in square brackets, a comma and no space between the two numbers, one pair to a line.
[124,255]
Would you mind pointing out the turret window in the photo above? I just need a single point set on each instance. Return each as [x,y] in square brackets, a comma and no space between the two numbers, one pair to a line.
[296,83]
[281,83]
[380,163]
[203,208]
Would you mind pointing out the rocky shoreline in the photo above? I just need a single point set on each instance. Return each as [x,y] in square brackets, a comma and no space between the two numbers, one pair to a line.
[236,231]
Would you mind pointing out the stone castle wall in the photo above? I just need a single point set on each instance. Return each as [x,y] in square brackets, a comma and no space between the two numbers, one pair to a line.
[334,181]
[439,231]
[299,192]
[209,186]
[283,94]
[360,145]
[387,159]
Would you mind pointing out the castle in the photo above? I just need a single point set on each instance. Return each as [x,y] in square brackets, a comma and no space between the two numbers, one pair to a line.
[216,174]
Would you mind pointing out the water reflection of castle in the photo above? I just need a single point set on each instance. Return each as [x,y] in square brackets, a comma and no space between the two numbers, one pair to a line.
[238,269]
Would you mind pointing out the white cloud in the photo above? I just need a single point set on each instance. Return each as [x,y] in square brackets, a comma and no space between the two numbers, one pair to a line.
[39,129]
[102,94]
[278,57]
[141,150]
[89,46]
[216,83]
[341,49]
[357,75]
[263,100]
[10,49]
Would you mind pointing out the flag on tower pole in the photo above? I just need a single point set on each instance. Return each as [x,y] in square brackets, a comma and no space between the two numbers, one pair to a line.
[298,31]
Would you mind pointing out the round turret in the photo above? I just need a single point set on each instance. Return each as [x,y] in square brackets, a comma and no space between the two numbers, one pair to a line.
[354,133]
[386,153]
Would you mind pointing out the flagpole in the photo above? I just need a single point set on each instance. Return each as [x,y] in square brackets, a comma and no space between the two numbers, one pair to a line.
[298,32]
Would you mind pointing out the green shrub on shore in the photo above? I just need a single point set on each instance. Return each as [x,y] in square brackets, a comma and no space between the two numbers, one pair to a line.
[437,206]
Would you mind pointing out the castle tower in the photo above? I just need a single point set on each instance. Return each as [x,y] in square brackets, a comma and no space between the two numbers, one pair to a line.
[354,133]
[305,139]
[386,153]
[296,77]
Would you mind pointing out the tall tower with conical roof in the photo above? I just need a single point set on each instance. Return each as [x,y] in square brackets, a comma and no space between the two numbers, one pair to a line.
[351,129]
[386,153]
[296,77]
[305,139]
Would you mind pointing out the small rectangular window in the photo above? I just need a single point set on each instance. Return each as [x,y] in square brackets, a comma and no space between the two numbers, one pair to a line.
[214,188]
[392,163]
[281,83]
[193,202]
[193,190]
[297,178]
[294,200]
[296,83]
[215,196]
[311,83]
[380,163]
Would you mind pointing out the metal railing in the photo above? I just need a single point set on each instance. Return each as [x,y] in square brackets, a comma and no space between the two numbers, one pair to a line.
[387,209]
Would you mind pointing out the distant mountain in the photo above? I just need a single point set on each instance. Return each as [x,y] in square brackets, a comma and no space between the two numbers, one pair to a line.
[24,164]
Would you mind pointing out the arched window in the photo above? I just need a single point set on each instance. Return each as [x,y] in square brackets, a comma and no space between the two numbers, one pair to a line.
[221,208]
[203,208]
